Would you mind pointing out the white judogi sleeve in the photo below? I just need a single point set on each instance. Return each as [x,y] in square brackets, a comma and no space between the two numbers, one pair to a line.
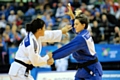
[51,36]
[35,57]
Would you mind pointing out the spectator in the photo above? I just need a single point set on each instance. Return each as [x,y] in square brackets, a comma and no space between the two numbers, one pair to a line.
[97,16]
[61,64]
[11,17]
[54,7]
[2,51]
[60,12]
[116,39]
[118,11]
[104,27]
[95,31]
[3,11]
[30,11]
[83,7]
[64,21]
[18,21]
[49,10]
[15,36]
[48,20]
[9,7]
[40,9]
[113,7]
[7,35]
[3,23]
[20,13]
[22,7]
[106,5]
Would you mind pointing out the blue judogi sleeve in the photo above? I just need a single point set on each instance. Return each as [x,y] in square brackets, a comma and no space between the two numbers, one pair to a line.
[69,48]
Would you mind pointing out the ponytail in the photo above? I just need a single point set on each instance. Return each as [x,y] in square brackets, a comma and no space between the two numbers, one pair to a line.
[28,27]
[35,25]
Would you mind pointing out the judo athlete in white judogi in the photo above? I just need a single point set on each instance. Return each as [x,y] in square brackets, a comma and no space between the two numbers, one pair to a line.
[28,52]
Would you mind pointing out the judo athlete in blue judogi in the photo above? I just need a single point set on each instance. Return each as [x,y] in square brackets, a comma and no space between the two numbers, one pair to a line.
[83,50]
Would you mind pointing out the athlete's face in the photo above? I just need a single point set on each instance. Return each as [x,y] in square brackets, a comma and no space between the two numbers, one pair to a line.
[78,26]
[41,31]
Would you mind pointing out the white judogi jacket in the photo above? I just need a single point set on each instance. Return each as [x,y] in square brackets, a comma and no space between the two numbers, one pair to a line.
[29,51]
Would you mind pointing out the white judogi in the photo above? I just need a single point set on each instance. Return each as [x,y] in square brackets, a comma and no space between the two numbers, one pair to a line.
[28,52]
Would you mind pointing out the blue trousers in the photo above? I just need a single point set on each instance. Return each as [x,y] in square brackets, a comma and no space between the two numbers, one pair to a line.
[96,77]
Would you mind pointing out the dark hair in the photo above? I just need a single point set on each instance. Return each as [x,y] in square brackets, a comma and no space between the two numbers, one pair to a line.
[83,19]
[35,25]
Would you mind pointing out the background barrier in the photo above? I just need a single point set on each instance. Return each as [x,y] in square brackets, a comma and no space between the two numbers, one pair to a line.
[68,75]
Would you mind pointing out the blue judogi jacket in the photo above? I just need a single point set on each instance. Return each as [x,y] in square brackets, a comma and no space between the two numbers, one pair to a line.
[83,50]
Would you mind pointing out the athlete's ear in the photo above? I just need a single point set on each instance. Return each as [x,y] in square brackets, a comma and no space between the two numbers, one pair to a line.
[84,25]
[38,30]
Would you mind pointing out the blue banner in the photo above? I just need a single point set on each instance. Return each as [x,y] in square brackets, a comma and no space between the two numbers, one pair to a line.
[108,52]
[47,49]
[12,52]
[105,52]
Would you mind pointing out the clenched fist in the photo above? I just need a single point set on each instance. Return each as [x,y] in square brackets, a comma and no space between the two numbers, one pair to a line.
[50,61]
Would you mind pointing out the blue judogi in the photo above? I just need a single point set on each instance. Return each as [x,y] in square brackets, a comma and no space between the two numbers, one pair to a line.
[83,50]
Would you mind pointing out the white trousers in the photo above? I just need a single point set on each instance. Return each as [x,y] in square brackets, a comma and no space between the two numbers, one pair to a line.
[17,72]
